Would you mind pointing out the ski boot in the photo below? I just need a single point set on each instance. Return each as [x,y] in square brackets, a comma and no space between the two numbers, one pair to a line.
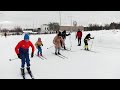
[55,53]
[22,71]
[65,48]
[41,55]
[28,69]
[87,49]
[38,55]
[59,53]
[30,73]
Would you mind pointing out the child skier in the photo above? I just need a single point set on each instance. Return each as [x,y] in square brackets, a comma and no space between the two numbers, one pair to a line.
[57,42]
[38,45]
[88,37]
[22,50]
[79,37]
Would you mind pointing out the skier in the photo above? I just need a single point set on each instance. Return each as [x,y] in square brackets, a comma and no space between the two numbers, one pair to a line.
[22,51]
[5,34]
[38,45]
[88,37]
[64,37]
[79,37]
[57,42]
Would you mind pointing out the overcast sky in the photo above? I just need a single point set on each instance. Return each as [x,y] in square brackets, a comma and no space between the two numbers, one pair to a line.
[28,19]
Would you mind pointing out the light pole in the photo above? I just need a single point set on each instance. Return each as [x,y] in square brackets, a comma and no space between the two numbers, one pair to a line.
[1,23]
[60,17]
[71,21]
[70,32]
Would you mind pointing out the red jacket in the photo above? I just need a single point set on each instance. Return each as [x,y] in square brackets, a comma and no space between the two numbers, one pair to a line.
[25,45]
[79,34]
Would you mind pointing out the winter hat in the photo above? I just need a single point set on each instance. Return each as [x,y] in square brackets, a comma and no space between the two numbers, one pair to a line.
[64,31]
[26,36]
[89,34]
[39,39]
[59,34]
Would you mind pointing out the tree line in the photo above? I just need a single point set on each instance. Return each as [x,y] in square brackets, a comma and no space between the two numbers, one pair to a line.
[54,26]
[112,25]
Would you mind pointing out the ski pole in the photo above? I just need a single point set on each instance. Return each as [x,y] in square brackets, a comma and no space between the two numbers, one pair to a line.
[91,45]
[13,59]
[50,47]
[70,42]
[16,58]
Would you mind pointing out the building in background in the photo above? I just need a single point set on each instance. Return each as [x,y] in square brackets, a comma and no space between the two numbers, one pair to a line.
[44,28]
[71,28]
[29,31]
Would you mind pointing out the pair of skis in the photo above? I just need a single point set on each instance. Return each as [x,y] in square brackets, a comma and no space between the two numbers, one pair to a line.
[61,56]
[67,50]
[31,75]
[89,50]
[42,57]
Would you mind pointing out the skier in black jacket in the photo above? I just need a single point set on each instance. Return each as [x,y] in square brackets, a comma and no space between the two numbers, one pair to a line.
[87,38]
[64,37]
[5,34]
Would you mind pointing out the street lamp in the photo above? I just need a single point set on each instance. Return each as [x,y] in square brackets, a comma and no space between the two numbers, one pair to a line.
[71,21]
[1,24]
[60,17]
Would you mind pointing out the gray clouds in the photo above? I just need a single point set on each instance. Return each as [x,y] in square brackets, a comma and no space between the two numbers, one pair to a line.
[9,19]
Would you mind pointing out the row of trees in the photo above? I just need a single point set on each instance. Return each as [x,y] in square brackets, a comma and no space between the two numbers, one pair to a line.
[54,26]
[112,25]
[15,29]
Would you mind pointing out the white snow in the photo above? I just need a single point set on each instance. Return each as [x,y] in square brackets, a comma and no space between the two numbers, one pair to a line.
[104,64]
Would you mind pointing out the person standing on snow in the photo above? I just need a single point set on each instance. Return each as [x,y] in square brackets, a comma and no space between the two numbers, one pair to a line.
[64,37]
[22,51]
[38,45]
[57,42]
[5,34]
[87,38]
[79,37]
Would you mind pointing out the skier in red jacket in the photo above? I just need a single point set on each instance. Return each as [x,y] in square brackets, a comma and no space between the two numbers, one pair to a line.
[79,37]
[22,50]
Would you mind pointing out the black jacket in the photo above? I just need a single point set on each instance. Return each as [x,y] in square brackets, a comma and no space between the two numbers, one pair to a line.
[88,37]
[64,35]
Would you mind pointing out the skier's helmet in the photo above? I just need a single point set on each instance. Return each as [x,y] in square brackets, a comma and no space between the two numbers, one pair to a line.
[26,37]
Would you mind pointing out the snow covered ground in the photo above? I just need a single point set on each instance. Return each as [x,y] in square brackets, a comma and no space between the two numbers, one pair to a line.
[104,63]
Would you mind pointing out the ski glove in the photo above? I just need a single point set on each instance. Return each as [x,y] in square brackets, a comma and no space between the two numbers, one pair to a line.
[69,34]
[19,56]
[32,55]
[38,47]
